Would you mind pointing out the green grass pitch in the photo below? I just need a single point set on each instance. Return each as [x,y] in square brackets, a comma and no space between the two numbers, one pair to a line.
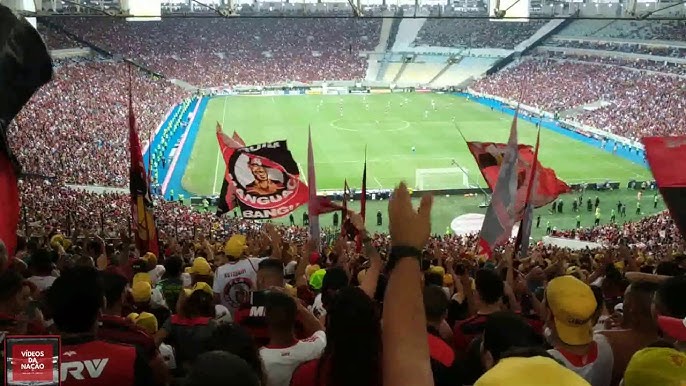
[390,125]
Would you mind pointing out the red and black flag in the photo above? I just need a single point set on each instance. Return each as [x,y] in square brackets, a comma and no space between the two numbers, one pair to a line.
[25,66]
[144,226]
[489,158]
[667,162]
[266,178]
[227,196]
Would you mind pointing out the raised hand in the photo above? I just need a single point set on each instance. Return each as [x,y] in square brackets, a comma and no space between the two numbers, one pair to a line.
[409,227]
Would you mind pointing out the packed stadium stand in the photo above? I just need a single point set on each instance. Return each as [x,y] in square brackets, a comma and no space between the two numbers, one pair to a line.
[475,33]
[638,103]
[628,29]
[80,115]
[219,51]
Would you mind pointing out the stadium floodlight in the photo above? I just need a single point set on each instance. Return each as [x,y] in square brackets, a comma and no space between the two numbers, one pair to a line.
[509,10]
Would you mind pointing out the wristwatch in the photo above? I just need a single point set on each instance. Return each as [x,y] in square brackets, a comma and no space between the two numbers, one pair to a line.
[401,251]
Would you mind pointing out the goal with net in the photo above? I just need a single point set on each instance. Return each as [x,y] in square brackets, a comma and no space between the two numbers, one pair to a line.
[442,178]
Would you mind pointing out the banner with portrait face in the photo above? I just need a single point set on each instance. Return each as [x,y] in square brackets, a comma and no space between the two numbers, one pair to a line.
[266,179]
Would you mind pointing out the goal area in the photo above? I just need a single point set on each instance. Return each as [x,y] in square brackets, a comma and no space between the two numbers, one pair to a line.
[442,178]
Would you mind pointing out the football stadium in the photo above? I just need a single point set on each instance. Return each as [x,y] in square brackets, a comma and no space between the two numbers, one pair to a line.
[234,192]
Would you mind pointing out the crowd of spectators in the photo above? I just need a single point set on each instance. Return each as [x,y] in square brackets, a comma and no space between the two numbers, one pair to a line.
[231,51]
[648,64]
[56,40]
[75,128]
[475,33]
[629,29]
[637,103]
[632,48]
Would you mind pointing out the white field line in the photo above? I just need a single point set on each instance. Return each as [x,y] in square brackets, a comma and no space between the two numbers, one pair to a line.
[219,153]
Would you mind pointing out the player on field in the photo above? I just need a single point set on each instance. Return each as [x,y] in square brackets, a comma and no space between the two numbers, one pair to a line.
[413,149]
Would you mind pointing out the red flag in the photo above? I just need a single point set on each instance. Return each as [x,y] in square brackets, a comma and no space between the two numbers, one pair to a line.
[25,66]
[323,205]
[141,201]
[489,157]
[667,162]
[500,215]
[363,202]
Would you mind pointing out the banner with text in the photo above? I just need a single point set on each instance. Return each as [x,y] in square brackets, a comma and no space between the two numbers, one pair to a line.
[267,179]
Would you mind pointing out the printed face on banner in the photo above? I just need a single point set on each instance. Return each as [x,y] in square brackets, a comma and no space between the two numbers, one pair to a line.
[258,179]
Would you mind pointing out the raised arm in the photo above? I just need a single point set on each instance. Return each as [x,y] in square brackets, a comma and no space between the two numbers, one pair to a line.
[405,342]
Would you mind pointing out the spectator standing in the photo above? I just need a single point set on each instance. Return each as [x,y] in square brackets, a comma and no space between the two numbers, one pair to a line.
[235,279]
[571,307]
[76,299]
[638,328]
[285,352]
[489,293]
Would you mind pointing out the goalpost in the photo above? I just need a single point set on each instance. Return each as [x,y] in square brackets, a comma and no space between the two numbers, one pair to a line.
[442,178]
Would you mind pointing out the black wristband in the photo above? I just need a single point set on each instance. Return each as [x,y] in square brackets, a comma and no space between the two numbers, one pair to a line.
[400,251]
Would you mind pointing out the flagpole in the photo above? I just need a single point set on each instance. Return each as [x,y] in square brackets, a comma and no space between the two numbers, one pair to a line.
[471,181]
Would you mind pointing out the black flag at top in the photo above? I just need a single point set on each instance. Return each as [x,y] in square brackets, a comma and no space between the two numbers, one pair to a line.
[25,66]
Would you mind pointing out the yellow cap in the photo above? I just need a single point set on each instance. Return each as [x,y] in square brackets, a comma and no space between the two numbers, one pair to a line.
[150,258]
[147,322]
[141,291]
[235,246]
[56,240]
[200,267]
[572,304]
[142,276]
[535,371]
[447,280]
[199,286]
[656,366]
[132,317]
[437,270]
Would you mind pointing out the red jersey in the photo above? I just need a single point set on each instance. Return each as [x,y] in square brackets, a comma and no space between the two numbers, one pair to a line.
[116,329]
[87,361]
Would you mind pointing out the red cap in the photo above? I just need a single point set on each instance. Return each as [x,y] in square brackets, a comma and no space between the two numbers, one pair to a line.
[314,258]
[674,327]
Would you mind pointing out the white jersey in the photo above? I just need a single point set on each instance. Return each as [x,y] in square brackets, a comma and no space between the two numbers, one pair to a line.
[280,362]
[233,281]
[156,274]
[595,367]
[167,353]
[42,282]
